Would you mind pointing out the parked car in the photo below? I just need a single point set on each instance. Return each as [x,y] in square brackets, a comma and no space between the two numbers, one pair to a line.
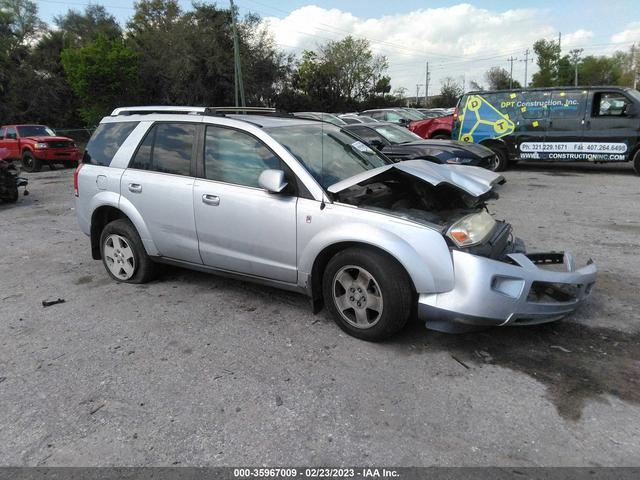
[325,117]
[595,124]
[355,119]
[36,145]
[305,206]
[438,128]
[433,112]
[399,116]
[400,144]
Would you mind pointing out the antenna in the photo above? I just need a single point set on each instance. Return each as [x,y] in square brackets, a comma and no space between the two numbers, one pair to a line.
[239,87]
[322,204]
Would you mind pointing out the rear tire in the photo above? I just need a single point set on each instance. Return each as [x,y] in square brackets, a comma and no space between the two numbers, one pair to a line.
[123,254]
[368,293]
[441,136]
[502,158]
[636,162]
[30,163]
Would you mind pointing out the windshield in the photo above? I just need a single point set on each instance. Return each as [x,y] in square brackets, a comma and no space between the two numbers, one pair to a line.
[396,134]
[36,131]
[328,153]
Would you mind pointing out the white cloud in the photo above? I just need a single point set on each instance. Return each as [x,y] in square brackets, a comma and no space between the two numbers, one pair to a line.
[461,41]
[631,33]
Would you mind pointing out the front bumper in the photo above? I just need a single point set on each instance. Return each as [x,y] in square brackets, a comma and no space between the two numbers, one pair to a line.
[495,293]
[58,154]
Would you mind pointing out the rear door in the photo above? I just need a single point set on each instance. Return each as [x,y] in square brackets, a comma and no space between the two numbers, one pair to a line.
[610,133]
[159,184]
[565,124]
[241,227]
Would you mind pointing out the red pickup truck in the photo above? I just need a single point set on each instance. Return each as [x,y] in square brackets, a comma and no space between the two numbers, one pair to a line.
[36,145]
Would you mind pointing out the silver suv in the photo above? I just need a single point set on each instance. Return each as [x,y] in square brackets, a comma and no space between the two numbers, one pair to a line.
[306,206]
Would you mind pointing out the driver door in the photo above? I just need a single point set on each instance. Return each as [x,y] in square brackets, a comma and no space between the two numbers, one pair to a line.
[241,227]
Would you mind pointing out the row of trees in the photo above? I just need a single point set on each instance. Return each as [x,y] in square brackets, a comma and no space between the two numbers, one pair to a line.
[76,71]
[85,65]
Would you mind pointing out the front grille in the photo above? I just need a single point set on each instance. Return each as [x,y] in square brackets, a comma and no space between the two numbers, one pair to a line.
[544,292]
[60,144]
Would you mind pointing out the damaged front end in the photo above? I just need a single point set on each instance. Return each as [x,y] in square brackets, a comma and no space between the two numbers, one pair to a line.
[495,281]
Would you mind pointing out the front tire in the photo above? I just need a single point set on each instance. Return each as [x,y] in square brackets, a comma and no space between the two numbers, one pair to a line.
[31,163]
[123,254]
[501,159]
[636,162]
[368,293]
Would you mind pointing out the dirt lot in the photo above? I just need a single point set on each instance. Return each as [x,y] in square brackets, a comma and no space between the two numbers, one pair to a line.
[197,370]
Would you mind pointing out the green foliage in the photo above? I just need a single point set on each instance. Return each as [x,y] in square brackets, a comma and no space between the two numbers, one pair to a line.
[103,74]
[341,74]
[498,79]
[548,55]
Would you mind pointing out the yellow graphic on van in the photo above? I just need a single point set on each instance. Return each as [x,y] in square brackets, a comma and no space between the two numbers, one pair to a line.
[481,120]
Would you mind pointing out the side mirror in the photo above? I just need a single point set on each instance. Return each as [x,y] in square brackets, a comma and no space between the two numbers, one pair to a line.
[272,181]
[631,110]
[377,144]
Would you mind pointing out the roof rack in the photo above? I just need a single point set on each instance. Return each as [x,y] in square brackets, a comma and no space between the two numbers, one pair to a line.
[178,110]
[240,110]
[159,109]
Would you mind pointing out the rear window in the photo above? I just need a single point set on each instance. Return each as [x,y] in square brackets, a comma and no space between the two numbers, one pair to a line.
[106,141]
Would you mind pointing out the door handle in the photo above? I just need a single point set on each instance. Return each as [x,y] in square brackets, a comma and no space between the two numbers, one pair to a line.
[135,188]
[211,199]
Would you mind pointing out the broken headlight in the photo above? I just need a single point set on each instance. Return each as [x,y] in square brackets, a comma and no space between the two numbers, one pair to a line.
[472,229]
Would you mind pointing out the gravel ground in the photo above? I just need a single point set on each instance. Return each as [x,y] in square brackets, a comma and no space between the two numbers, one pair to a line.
[197,370]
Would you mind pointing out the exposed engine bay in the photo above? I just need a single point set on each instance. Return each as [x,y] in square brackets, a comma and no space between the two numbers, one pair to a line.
[440,206]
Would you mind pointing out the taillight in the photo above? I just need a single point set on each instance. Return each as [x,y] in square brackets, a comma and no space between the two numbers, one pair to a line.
[75,179]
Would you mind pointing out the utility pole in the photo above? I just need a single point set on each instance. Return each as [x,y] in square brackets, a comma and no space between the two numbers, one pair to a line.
[575,58]
[426,88]
[526,65]
[418,85]
[560,42]
[239,87]
[634,66]
[511,60]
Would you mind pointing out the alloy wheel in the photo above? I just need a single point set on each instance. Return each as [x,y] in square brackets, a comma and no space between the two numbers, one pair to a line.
[357,296]
[119,257]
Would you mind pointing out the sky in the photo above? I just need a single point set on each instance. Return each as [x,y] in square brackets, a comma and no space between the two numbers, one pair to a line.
[459,39]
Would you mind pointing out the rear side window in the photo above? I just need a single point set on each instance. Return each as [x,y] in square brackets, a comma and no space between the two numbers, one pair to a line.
[568,104]
[106,141]
[235,157]
[167,148]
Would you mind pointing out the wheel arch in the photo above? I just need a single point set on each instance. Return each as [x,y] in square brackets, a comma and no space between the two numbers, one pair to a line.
[327,253]
[106,213]
[496,142]
[100,217]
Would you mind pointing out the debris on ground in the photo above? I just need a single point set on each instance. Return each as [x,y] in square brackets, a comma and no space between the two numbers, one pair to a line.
[562,349]
[48,303]
[278,400]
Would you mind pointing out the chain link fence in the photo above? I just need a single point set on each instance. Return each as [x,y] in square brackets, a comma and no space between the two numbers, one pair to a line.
[79,135]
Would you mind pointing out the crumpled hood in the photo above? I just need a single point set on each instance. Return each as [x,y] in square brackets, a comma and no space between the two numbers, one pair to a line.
[475,181]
